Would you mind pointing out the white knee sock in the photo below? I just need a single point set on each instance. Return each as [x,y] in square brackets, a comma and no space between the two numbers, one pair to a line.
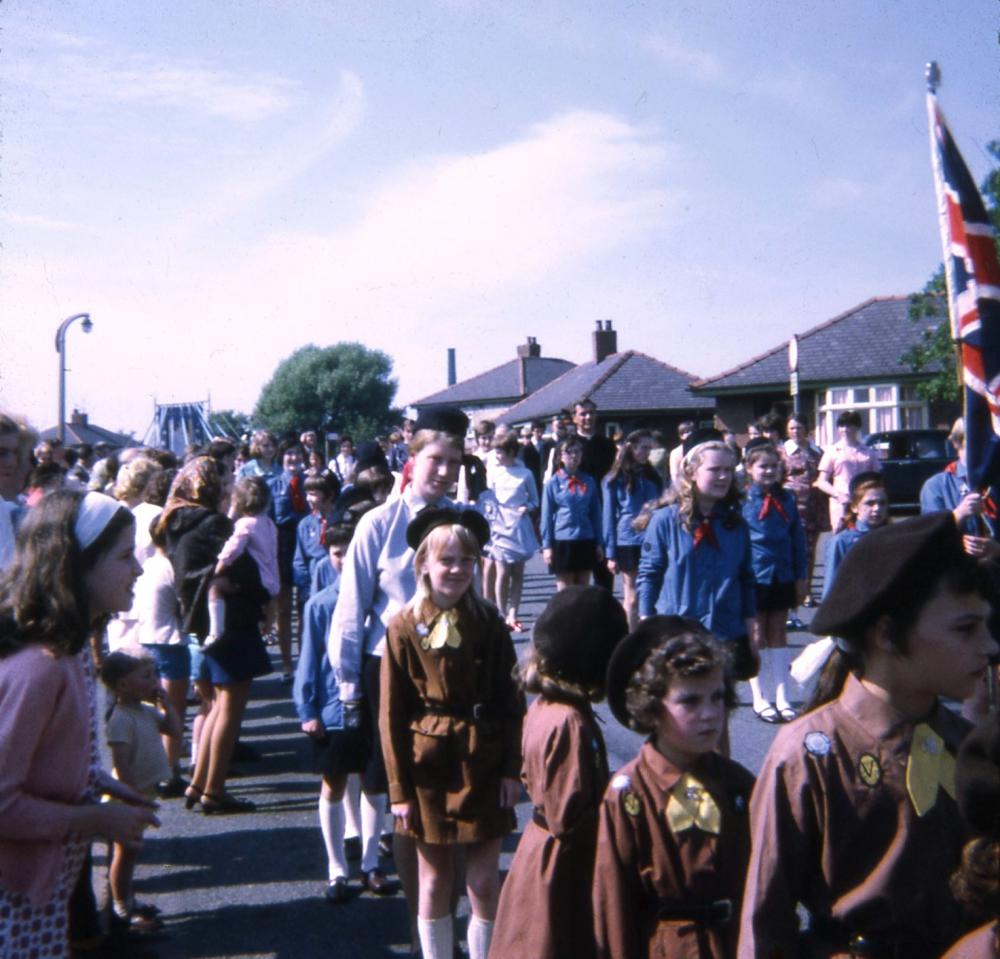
[352,807]
[436,937]
[479,935]
[331,824]
[371,824]
[761,685]
[779,672]
[216,616]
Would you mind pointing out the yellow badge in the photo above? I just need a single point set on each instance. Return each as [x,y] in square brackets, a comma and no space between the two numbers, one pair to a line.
[869,770]
[632,804]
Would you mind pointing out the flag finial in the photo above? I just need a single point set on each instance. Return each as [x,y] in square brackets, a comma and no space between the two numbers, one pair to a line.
[932,73]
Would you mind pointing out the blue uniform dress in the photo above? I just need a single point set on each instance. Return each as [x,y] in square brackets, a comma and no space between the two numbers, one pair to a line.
[777,539]
[838,548]
[712,582]
[309,550]
[571,521]
[945,490]
[621,507]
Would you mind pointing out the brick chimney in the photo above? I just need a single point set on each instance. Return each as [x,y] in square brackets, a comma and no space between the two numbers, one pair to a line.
[605,340]
[524,351]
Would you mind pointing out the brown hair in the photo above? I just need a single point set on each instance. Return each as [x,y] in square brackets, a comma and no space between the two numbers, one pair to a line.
[694,652]
[424,438]
[251,496]
[43,597]
[533,679]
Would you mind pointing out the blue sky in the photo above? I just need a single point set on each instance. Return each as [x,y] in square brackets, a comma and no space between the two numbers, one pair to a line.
[219,183]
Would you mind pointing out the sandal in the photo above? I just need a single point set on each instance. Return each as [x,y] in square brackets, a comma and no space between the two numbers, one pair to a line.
[769,714]
[225,804]
[787,714]
[192,796]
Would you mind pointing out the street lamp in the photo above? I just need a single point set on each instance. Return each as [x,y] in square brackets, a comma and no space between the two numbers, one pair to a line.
[61,350]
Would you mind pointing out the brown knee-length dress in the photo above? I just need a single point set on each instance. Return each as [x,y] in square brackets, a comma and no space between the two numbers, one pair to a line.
[450,720]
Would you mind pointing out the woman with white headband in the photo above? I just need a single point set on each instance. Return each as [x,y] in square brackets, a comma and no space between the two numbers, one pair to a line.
[73,567]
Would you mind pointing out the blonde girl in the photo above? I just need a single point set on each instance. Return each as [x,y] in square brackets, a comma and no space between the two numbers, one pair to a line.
[450,723]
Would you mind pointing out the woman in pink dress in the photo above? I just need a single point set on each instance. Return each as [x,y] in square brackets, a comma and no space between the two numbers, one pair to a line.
[842,462]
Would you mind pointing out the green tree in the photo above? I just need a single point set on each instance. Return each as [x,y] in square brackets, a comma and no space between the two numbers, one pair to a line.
[936,349]
[346,388]
[230,423]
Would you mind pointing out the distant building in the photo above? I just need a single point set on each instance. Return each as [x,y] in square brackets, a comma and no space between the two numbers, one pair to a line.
[630,390]
[851,362]
[488,394]
[80,430]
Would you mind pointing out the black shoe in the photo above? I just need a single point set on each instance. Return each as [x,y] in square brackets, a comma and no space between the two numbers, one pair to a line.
[375,882]
[225,805]
[337,891]
[352,848]
[173,788]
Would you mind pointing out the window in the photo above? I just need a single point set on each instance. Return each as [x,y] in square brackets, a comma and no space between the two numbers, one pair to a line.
[883,407]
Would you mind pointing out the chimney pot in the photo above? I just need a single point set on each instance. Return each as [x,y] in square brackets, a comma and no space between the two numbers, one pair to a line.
[605,341]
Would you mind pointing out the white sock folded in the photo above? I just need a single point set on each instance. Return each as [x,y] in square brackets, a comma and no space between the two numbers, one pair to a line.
[436,937]
[479,935]
[216,616]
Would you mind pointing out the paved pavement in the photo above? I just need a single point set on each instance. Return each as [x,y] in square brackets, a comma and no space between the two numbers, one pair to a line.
[252,885]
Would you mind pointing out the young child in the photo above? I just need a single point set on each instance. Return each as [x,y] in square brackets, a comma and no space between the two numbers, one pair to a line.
[571,519]
[450,722]
[674,837]
[254,533]
[854,816]
[631,484]
[867,509]
[338,751]
[134,728]
[778,555]
[508,504]
[696,552]
[565,771]
[321,493]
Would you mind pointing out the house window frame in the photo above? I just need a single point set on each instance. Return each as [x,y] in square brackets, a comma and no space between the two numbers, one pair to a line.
[883,406]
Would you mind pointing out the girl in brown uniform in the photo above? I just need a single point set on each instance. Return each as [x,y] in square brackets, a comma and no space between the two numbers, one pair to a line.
[674,839]
[854,813]
[545,904]
[450,721]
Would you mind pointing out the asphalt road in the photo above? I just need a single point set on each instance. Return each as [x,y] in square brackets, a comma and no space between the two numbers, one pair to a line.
[252,885]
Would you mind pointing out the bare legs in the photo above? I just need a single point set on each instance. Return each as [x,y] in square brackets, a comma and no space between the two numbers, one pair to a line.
[218,736]
[510,584]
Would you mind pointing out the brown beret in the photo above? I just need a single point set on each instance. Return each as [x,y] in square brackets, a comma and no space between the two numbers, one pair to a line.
[577,632]
[433,516]
[631,653]
[442,419]
[880,563]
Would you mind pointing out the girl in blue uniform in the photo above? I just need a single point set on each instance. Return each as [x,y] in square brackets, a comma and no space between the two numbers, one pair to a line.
[571,519]
[631,484]
[778,554]
[867,510]
[696,552]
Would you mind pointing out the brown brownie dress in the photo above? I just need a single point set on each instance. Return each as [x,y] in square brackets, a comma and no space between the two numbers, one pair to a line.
[545,910]
[450,720]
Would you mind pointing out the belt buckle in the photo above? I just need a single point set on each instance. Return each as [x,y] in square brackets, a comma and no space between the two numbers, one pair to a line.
[477,712]
[721,910]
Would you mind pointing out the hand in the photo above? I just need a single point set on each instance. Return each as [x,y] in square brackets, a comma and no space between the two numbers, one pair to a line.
[403,813]
[982,547]
[510,792]
[612,567]
[123,792]
[547,556]
[123,823]
[971,505]
[314,728]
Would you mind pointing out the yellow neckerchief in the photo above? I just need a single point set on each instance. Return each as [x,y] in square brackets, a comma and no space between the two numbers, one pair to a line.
[691,804]
[444,632]
[928,767]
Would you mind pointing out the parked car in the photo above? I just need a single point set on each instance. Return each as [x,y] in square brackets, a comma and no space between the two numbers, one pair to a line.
[909,459]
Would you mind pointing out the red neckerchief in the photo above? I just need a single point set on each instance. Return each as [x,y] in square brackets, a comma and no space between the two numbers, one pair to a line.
[772,502]
[703,533]
[298,496]
[990,510]
[574,483]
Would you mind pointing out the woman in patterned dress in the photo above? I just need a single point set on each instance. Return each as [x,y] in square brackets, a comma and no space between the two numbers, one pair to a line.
[73,567]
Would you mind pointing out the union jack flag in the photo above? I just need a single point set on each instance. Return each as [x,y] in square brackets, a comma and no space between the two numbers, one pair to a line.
[972,273]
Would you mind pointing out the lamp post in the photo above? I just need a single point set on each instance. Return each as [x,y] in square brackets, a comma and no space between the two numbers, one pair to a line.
[61,350]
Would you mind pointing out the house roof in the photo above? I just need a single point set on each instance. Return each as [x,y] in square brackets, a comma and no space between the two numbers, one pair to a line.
[861,345]
[629,382]
[77,433]
[502,383]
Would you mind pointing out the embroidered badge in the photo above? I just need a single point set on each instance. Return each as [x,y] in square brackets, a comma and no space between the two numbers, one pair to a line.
[647,547]
[869,770]
[816,743]
[632,804]
[620,781]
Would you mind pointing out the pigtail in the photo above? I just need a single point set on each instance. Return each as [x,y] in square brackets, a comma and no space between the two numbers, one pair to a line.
[833,677]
